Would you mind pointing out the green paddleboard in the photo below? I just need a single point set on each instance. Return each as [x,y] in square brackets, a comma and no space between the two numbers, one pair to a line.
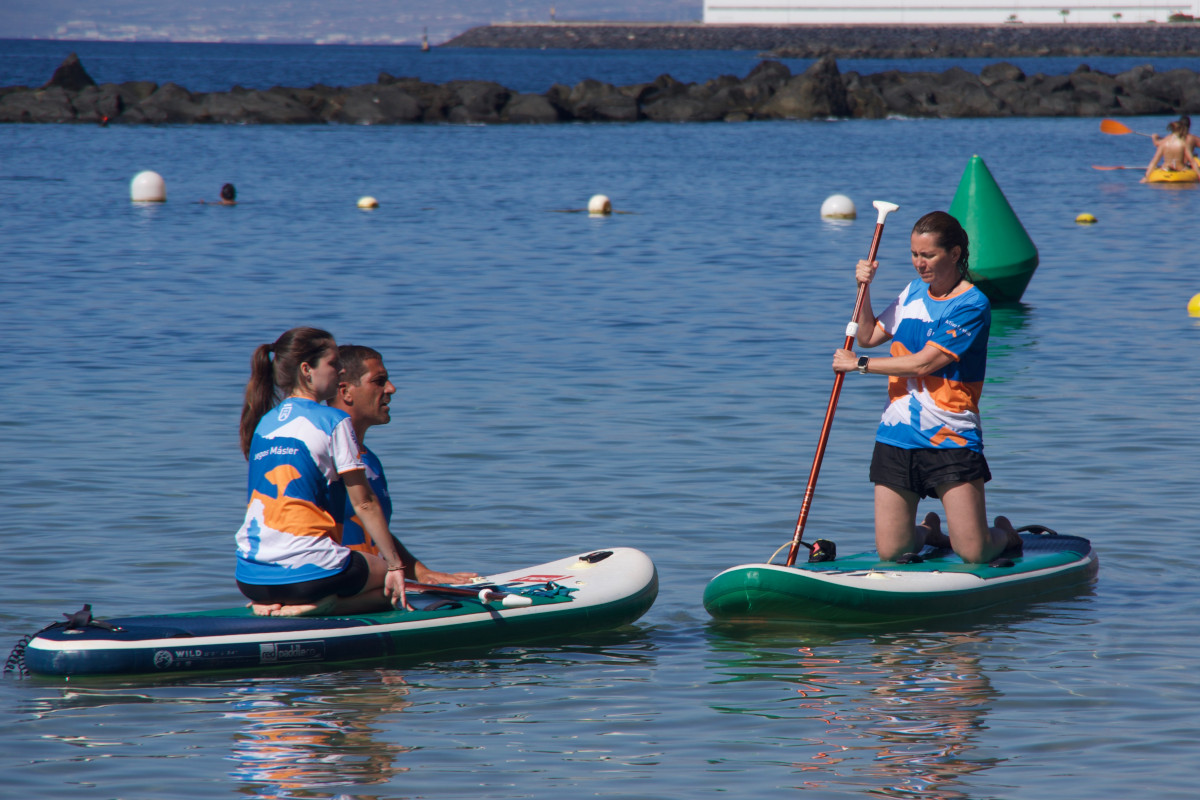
[862,589]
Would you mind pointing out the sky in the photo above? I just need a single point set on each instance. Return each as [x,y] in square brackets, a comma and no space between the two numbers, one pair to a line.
[322,21]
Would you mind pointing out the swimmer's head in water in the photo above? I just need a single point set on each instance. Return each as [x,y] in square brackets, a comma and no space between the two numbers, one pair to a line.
[228,192]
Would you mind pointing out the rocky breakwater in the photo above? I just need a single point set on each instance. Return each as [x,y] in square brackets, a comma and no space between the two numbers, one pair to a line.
[770,91]
[849,41]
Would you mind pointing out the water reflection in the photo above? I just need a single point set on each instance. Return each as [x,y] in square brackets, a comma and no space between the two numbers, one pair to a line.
[293,741]
[900,713]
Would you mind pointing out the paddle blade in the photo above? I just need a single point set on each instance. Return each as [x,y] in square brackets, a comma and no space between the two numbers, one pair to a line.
[1114,127]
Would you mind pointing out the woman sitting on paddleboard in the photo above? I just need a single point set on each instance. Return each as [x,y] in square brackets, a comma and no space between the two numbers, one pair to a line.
[930,442]
[1173,150]
[304,460]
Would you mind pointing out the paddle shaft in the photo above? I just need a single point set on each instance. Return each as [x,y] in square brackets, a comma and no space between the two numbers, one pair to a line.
[1107,169]
[457,591]
[851,331]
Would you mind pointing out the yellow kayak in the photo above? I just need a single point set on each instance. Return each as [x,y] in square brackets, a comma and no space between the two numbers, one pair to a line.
[1173,176]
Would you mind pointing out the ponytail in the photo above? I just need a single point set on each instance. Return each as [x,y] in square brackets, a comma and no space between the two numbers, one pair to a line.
[272,378]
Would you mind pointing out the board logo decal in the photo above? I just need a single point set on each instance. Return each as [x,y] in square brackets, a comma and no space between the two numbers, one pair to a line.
[288,652]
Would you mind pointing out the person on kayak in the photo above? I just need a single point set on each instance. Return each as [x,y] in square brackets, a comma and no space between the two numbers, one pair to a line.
[930,441]
[1185,122]
[365,393]
[1173,151]
[304,463]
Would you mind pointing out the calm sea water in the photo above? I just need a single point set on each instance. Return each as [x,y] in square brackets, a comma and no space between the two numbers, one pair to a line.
[655,379]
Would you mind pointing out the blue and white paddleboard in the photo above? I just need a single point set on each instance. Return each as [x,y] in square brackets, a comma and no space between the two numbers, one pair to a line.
[592,591]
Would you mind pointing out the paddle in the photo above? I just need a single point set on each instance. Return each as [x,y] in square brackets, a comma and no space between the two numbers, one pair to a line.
[484,595]
[1105,169]
[1118,128]
[884,209]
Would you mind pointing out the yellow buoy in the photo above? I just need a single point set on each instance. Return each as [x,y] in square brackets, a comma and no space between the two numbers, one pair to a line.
[599,205]
[1086,219]
[1194,306]
[148,187]
[838,206]
[368,202]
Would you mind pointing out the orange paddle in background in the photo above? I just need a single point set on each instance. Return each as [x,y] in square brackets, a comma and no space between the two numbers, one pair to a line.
[1118,128]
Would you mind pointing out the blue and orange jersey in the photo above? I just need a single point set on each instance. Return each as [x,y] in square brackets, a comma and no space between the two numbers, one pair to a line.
[296,499]
[940,410]
[353,535]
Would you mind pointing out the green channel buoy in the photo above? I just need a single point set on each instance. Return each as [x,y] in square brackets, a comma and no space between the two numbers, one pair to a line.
[1003,257]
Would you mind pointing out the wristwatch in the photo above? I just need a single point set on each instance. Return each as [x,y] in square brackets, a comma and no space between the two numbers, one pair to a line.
[862,364]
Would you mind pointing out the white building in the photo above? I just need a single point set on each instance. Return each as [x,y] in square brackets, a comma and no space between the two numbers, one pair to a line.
[933,12]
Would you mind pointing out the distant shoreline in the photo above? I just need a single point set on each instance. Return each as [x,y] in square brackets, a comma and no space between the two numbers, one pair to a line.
[849,41]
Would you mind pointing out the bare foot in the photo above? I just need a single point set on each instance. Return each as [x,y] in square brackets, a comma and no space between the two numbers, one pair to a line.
[934,536]
[323,606]
[1013,538]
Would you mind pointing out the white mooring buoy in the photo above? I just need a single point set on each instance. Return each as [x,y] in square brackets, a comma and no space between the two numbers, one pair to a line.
[148,187]
[838,206]
[599,205]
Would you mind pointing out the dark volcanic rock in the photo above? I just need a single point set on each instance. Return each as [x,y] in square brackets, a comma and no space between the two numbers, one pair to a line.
[375,105]
[818,93]
[169,103]
[531,109]
[70,75]
[37,105]
[272,107]
[770,91]
[99,103]
[593,101]
[852,41]
[477,101]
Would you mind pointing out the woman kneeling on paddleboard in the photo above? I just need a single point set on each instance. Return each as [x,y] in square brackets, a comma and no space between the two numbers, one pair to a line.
[930,442]
[304,461]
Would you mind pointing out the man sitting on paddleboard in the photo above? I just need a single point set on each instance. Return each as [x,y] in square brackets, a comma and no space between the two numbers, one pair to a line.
[304,462]
[365,393]
[930,441]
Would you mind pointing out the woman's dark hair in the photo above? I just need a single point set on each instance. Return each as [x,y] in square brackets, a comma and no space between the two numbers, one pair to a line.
[949,234]
[270,378]
[228,192]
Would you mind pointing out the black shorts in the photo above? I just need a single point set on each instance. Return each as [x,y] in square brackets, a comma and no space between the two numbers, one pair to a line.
[923,470]
[347,583]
